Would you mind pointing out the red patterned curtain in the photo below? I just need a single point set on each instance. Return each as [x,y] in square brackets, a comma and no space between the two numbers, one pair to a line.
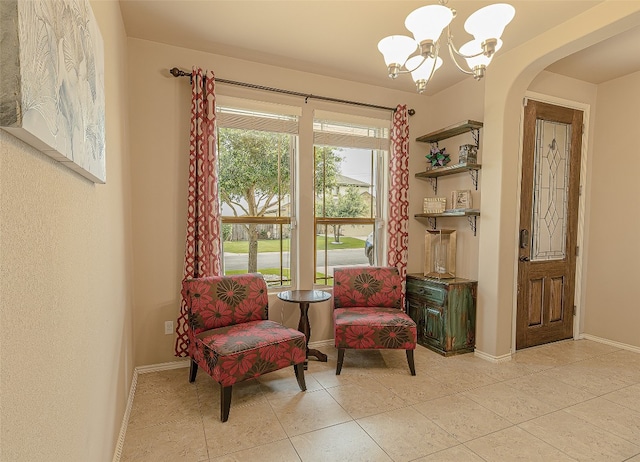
[203,247]
[399,192]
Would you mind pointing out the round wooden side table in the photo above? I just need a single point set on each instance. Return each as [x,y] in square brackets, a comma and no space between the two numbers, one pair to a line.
[304,298]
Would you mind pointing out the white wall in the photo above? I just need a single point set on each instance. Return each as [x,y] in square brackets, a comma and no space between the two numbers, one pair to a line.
[611,302]
[463,101]
[65,288]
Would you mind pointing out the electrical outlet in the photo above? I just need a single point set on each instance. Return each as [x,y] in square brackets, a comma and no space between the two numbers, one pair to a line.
[168,327]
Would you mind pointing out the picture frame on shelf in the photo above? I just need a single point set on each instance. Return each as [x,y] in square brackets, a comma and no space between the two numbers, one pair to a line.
[461,199]
[468,154]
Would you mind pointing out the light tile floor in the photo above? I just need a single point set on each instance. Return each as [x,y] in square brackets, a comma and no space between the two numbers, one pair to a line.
[572,400]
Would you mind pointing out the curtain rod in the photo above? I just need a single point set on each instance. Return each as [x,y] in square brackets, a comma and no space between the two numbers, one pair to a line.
[179,73]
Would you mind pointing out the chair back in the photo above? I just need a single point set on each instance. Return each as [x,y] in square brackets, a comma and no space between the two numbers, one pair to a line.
[220,301]
[367,286]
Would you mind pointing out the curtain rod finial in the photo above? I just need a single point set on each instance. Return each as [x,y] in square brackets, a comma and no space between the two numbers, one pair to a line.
[178,73]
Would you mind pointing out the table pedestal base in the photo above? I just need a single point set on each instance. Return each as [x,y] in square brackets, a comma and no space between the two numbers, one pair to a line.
[303,326]
[317,354]
[304,298]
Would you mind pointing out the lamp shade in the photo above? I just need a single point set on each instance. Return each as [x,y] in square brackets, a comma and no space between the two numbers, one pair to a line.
[474,47]
[490,21]
[423,72]
[396,48]
[427,22]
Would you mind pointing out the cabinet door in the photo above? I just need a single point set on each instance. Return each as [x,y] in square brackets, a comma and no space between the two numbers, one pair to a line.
[434,326]
[460,318]
[416,310]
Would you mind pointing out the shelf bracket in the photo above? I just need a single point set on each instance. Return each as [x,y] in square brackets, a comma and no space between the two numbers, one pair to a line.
[472,223]
[434,184]
[432,222]
[475,133]
[474,178]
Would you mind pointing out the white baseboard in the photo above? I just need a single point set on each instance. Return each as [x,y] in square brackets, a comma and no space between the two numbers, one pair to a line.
[164,366]
[322,344]
[132,391]
[125,419]
[491,358]
[612,343]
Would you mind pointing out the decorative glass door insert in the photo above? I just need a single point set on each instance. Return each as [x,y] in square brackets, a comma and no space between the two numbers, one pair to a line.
[550,190]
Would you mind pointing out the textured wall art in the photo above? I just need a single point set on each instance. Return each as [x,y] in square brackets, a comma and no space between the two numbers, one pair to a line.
[52,81]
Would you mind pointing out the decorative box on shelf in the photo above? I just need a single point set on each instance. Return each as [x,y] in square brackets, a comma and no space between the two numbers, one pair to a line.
[434,204]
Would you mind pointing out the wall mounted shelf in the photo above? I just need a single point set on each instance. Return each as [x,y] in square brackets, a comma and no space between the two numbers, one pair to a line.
[450,131]
[433,174]
[471,214]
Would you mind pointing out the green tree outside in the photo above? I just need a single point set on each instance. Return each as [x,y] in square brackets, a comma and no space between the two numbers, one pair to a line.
[348,205]
[255,171]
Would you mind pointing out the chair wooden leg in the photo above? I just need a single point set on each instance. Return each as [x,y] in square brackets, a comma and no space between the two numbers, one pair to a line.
[299,371]
[340,360]
[225,403]
[193,370]
[412,366]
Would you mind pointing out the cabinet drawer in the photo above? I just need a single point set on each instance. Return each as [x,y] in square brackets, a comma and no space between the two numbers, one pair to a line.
[435,295]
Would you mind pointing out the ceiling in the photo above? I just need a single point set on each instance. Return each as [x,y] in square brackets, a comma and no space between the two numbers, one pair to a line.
[339,38]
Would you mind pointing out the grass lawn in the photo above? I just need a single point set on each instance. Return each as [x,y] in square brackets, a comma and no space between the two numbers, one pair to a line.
[273,245]
[276,272]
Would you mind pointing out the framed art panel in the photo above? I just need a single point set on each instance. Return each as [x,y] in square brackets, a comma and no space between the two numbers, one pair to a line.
[52,81]
[461,199]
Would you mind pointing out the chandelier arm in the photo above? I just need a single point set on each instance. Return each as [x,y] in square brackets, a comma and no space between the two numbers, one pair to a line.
[435,61]
[408,71]
[452,48]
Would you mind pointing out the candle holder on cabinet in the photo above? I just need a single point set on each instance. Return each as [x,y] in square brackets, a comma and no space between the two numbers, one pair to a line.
[440,253]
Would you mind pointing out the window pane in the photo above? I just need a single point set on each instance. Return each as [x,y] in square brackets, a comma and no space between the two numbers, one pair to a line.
[254,182]
[271,252]
[345,208]
[356,247]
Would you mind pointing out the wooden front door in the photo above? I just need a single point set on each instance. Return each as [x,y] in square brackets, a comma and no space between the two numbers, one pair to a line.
[552,144]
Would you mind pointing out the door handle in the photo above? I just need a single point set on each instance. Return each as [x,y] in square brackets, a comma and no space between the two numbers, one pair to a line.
[524,238]
[524,258]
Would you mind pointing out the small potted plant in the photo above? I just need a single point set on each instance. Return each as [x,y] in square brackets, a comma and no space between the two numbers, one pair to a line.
[437,157]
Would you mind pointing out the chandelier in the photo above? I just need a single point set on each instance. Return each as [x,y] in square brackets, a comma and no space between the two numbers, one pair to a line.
[427,23]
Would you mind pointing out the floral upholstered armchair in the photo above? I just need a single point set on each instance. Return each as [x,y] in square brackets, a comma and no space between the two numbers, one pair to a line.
[230,336]
[368,314]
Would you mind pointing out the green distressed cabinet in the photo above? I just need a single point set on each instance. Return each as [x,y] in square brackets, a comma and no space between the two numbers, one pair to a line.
[445,312]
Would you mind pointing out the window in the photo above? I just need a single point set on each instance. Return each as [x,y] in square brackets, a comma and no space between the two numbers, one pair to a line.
[300,189]
[256,150]
[348,186]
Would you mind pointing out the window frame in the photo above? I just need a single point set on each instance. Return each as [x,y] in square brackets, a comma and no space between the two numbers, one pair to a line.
[302,223]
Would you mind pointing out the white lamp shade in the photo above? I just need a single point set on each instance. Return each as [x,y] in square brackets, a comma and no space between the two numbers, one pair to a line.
[474,47]
[424,71]
[490,21]
[427,22]
[396,48]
